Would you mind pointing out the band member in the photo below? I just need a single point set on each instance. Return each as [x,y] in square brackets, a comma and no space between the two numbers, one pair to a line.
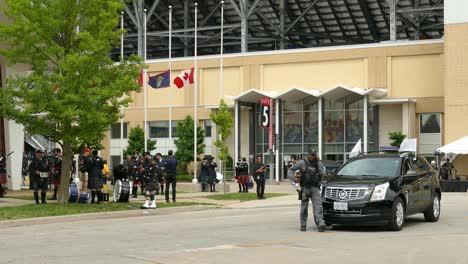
[171,169]
[244,174]
[136,175]
[84,160]
[105,181]
[3,173]
[212,175]
[204,173]
[238,175]
[56,170]
[128,168]
[38,172]
[161,172]
[259,178]
[94,168]
[150,179]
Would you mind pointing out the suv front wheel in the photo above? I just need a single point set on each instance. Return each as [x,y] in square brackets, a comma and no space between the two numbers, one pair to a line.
[433,213]
[398,215]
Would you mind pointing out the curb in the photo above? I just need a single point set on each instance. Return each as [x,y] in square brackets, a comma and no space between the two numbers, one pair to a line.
[102,216]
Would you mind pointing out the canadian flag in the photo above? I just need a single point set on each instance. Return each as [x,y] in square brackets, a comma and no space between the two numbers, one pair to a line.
[183,79]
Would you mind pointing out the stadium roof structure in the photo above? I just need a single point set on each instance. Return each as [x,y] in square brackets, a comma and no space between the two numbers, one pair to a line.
[261,25]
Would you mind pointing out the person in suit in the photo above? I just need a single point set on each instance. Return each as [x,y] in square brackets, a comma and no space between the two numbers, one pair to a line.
[259,177]
[204,173]
[171,173]
[95,179]
[212,174]
[38,172]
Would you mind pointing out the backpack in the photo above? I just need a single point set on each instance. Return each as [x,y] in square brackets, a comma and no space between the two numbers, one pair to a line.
[311,175]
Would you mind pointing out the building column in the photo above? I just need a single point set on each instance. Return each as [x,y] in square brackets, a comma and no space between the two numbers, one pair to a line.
[14,135]
[236,131]
[320,127]
[366,122]
[277,140]
[409,119]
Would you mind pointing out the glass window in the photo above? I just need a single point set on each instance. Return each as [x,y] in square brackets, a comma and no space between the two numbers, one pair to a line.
[207,127]
[292,127]
[380,167]
[310,127]
[429,123]
[292,106]
[421,166]
[174,124]
[159,129]
[115,130]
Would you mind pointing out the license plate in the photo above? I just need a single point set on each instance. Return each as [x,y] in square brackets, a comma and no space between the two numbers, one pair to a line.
[340,206]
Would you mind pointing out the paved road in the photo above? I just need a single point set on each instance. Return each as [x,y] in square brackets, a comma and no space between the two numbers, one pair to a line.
[252,234]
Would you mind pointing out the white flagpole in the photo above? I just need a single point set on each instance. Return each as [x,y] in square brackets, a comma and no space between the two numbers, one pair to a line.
[221,75]
[145,78]
[121,108]
[221,53]
[195,80]
[170,76]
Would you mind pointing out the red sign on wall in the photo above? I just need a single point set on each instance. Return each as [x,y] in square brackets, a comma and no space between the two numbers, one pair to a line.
[266,112]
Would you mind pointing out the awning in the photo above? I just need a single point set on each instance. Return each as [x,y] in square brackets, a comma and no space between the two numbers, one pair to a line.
[254,96]
[296,94]
[390,101]
[339,92]
[457,147]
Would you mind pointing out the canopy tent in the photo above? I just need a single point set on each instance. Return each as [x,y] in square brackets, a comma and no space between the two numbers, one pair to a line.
[457,147]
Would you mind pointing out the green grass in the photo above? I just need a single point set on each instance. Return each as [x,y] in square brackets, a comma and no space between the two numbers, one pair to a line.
[242,196]
[53,209]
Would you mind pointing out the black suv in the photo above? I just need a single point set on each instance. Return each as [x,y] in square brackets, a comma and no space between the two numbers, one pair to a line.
[381,189]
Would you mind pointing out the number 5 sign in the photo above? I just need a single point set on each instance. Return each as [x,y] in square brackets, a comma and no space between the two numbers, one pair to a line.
[266,112]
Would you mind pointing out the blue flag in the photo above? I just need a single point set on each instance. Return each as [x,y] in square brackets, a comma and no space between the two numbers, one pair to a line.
[162,80]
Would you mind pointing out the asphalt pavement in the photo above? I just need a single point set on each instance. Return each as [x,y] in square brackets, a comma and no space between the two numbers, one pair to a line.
[251,232]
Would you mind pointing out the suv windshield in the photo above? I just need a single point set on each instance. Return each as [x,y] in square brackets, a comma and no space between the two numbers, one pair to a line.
[372,167]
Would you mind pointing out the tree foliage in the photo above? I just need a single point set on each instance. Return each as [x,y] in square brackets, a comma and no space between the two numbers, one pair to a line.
[136,142]
[224,123]
[185,140]
[73,91]
[396,138]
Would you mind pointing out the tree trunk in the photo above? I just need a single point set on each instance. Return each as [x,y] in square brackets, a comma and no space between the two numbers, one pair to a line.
[64,190]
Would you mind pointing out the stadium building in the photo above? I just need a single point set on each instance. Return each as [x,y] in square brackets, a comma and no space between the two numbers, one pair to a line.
[337,72]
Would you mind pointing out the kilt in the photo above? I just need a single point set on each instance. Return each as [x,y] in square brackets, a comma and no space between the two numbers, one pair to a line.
[3,178]
[56,175]
[151,185]
[243,179]
[95,182]
[38,183]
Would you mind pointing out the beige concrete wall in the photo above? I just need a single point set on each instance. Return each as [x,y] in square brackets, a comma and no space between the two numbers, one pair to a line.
[456,82]
[406,70]
[416,76]
[390,120]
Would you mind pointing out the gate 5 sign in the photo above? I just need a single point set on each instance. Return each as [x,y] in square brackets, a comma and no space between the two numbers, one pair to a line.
[266,112]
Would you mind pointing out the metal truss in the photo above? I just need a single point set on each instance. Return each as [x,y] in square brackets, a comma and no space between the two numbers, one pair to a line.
[256,25]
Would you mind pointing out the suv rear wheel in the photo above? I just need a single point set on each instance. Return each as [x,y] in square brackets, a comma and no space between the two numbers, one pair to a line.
[398,215]
[433,213]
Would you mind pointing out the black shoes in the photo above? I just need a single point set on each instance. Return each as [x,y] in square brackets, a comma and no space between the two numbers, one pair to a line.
[303,228]
[322,228]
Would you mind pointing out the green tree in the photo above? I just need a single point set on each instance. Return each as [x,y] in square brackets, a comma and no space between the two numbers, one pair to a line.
[224,122]
[396,138]
[73,91]
[136,142]
[185,139]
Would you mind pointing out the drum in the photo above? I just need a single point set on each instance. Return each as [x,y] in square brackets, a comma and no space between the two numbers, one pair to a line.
[122,189]
[3,178]
[85,197]
[73,193]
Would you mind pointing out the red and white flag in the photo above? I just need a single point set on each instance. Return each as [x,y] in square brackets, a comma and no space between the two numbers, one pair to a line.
[185,78]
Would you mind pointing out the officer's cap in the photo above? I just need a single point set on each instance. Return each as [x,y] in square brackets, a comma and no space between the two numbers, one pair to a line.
[57,150]
[39,151]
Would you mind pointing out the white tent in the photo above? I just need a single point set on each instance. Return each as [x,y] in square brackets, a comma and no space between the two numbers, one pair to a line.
[457,147]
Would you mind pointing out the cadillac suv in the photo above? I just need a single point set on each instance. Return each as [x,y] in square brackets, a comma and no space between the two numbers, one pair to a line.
[381,189]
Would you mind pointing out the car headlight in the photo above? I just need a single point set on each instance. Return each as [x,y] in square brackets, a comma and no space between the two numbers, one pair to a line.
[379,192]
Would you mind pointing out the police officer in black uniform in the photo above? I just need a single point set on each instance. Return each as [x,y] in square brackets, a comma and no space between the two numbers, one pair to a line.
[259,169]
[94,168]
[150,180]
[311,171]
[38,173]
